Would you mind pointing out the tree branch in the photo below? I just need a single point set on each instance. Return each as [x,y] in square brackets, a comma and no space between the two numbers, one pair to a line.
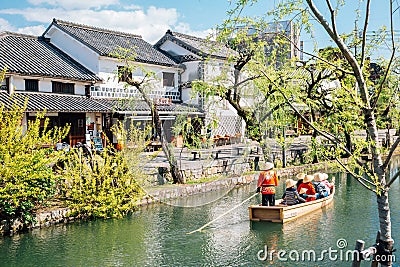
[364,36]
[392,149]
[332,11]
[246,80]
[359,178]
[345,51]
[393,179]
[315,56]
[327,135]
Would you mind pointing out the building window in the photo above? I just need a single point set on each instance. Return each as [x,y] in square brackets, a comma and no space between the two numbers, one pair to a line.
[123,74]
[31,85]
[63,88]
[168,79]
[5,84]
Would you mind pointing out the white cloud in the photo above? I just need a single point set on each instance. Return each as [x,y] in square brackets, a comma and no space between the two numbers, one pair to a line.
[151,23]
[75,4]
[132,7]
[185,28]
[5,26]
[32,30]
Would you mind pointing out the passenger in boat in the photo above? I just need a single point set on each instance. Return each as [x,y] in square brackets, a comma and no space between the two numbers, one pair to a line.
[306,189]
[291,196]
[320,187]
[323,177]
[267,181]
[300,176]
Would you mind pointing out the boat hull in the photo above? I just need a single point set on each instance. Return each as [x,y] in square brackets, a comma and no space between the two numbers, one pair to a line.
[283,213]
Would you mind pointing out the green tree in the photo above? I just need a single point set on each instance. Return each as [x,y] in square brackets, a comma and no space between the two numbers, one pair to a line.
[356,85]
[127,57]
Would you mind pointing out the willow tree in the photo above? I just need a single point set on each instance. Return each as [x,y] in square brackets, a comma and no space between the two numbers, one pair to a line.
[238,83]
[144,86]
[262,48]
[357,86]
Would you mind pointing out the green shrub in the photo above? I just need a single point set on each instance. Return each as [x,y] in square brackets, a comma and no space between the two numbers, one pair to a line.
[26,176]
[99,185]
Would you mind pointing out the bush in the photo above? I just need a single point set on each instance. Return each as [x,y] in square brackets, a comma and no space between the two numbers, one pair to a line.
[99,185]
[26,176]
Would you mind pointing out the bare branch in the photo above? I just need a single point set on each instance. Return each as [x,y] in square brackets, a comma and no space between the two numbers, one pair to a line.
[359,178]
[389,156]
[364,36]
[332,11]
[392,180]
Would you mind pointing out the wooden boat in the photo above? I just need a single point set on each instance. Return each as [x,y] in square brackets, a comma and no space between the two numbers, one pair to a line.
[284,213]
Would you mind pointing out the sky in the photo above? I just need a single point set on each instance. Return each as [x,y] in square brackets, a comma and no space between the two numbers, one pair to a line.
[152,18]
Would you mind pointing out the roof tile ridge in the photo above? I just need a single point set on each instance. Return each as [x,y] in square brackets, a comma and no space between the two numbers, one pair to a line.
[17,34]
[94,28]
[49,93]
[189,36]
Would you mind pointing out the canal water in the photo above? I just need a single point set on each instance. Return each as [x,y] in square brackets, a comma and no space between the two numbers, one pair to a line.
[158,235]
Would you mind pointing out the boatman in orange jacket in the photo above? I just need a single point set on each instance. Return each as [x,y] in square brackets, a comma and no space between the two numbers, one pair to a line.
[267,181]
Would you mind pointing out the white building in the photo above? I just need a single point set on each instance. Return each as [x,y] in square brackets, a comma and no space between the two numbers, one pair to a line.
[51,80]
[96,49]
[203,60]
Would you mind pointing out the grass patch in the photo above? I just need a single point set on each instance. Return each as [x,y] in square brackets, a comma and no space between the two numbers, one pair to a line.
[206,179]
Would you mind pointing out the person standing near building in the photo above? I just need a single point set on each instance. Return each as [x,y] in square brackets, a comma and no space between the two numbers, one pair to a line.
[267,181]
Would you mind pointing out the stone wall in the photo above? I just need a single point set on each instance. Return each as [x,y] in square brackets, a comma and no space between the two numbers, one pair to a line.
[42,219]
[192,189]
[199,169]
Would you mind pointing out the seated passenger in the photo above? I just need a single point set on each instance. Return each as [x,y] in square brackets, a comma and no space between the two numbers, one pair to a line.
[323,177]
[300,176]
[320,187]
[291,196]
[306,189]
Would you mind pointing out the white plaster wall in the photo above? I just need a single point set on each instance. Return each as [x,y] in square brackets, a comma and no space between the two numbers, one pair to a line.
[188,98]
[108,68]
[45,84]
[174,49]
[18,84]
[191,71]
[75,49]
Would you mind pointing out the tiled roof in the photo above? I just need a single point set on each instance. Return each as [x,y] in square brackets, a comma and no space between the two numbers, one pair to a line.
[73,103]
[199,46]
[105,42]
[52,102]
[135,105]
[30,55]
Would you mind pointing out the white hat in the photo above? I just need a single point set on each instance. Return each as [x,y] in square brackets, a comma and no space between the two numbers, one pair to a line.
[290,183]
[300,175]
[317,177]
[266,166]
[308,178]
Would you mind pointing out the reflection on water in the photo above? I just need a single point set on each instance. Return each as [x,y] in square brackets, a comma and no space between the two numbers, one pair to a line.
[199,199]
[157,235]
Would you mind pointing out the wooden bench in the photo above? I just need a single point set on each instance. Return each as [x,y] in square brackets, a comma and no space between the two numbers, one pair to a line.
[240,148]
[195,154]
[217,152]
